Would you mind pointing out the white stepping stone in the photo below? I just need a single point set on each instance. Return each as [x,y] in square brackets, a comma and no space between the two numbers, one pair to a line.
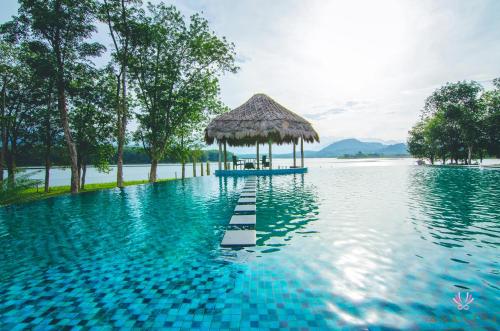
[247,195]
[239,238]
[243,220]
[245,208]
[247,200]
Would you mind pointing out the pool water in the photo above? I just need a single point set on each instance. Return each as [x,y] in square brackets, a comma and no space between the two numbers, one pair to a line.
[359,245]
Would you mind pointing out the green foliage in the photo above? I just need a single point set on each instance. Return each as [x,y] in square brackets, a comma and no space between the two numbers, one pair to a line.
[93,116]
[58,108]
[459,122]
[29,191]
[416,141]
[175,68]
[12,189]
[491,122]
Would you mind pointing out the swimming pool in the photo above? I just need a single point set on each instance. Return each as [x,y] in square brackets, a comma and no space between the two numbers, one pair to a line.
[364,244]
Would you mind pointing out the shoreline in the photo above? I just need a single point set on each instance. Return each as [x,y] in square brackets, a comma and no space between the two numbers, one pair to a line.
[31,194]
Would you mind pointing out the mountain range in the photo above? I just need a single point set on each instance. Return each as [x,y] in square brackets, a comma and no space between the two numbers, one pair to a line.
[352,147]
[355,146]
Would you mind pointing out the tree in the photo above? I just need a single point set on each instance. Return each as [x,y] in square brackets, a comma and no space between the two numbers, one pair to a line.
[63,26]
[46,118]
[491,121]
[92,118]
[19,102]
[459,122]
[119,15]
[436,138]
[461,105]
[180,146]
[8,71]
[416,141]
[175,68]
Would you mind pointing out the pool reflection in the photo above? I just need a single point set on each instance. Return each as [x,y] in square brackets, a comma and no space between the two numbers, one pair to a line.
[284,211]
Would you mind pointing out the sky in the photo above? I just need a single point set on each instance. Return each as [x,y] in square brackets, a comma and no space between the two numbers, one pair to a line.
[354,68]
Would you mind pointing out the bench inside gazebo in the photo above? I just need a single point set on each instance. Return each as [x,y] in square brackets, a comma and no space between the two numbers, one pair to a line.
[260,120]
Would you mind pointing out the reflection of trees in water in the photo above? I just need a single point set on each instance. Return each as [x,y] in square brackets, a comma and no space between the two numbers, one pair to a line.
[454,203]
[285,205]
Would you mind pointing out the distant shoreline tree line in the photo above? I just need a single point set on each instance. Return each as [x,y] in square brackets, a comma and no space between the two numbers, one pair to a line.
[59,107]
[460,122]
[31,157]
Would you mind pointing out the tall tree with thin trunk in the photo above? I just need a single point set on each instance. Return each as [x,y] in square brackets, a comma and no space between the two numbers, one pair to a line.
[175,68]
[63,26]
[48,133]
[92,118]
[119,15]
[8,70]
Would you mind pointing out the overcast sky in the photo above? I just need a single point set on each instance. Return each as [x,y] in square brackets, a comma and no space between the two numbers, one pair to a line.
[353,68]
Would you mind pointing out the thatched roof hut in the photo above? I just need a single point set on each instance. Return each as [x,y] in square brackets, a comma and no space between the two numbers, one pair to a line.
[260,119]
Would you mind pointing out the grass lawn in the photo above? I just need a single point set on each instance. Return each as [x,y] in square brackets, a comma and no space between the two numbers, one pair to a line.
[31,194]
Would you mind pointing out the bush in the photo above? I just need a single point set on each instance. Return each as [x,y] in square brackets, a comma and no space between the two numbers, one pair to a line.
[11,190]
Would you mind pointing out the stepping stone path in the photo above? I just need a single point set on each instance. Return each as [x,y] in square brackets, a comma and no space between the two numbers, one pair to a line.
[243,220]
[239,238]
[244,215]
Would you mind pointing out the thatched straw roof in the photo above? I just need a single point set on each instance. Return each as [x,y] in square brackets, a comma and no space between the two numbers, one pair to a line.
[259,120]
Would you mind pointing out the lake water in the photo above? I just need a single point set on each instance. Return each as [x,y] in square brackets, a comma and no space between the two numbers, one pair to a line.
[61,176]
[379,244]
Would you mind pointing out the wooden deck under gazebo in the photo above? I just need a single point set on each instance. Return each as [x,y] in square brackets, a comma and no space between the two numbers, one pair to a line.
[260,120]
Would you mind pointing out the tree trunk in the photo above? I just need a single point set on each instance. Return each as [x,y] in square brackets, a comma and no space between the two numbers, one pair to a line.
[201,168]
[122,128]
[469,155]
[183,170]
[47,169]
[11,162]
[119,159]
[84,173]
[63,112]
[48,141]
[208,168]
[3,151]
[194,168]
[152,172]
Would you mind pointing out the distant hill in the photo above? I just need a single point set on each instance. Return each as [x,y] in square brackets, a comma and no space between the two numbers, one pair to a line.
[354,146]
[396,149]
[348,147]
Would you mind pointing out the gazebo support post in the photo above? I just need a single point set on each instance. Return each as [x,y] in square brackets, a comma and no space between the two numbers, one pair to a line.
[294,158]
[270,154]
[258,162]
[220,156]
[301,152]
[225,156]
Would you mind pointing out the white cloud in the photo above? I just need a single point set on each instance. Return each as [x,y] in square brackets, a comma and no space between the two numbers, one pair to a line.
[315,57]
[354,68]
